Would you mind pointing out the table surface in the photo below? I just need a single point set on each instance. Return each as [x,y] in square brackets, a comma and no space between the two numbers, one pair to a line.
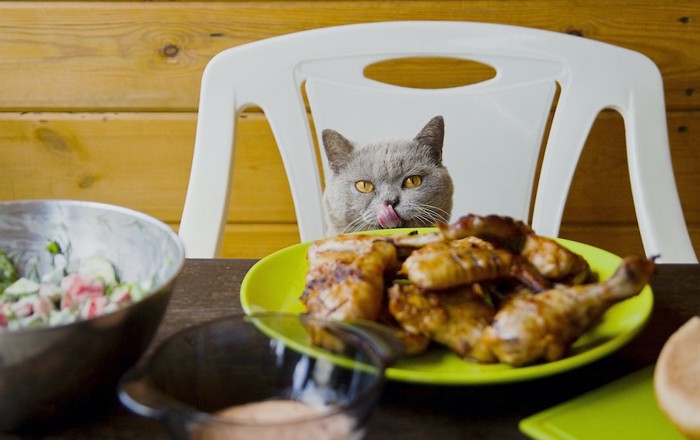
[207,289]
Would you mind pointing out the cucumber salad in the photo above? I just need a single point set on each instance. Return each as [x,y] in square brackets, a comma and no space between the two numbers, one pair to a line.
[58,297]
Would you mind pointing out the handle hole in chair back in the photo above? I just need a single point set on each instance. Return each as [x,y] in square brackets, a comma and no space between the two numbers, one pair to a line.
[429,72]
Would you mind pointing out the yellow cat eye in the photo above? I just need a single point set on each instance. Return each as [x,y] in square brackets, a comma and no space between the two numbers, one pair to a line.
[412,181]
[364,186]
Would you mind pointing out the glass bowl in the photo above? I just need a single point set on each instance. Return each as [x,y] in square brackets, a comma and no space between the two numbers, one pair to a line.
[258,377]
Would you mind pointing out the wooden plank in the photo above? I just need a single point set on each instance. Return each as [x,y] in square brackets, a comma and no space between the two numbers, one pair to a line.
[619,239]
[125,159]
[120,56]
[257,240]
[142,160]
[601,191]
[137,160]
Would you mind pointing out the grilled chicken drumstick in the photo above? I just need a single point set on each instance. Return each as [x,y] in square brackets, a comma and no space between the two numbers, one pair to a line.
[543,326]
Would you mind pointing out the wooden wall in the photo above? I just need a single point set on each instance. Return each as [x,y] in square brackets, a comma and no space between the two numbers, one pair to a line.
[98,101]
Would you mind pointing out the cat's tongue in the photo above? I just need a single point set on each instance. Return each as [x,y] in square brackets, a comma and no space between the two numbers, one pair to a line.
[387,217]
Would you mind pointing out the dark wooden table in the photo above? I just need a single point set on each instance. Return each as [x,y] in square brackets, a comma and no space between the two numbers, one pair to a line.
[207,289]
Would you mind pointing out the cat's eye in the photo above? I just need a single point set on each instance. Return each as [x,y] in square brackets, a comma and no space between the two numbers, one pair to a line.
[412,181]
[364,186]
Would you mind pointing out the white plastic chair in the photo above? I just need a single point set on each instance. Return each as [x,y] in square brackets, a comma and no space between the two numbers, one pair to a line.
[494,129]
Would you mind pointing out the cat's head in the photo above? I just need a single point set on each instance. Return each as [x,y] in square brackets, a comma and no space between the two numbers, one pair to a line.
[388,184]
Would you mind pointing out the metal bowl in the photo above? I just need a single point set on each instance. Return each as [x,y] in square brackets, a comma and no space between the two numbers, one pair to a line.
[49,372]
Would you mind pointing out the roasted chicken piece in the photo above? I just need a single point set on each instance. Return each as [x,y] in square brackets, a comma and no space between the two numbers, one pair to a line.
[555,262]
[551,260]
[413,343]
[444,265]
[407,243]
[544,325]
[455,318]
[504,232]
[345,279]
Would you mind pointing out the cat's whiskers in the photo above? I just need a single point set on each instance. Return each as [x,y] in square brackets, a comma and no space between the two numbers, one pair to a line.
[429,215]
[359,224]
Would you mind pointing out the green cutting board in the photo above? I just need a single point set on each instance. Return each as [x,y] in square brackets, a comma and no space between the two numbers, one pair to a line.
[624,409]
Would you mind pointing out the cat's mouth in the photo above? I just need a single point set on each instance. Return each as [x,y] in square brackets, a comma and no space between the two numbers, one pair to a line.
[387,217]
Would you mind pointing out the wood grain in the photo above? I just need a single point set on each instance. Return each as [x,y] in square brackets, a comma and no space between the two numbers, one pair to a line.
[140,160]
[150,55]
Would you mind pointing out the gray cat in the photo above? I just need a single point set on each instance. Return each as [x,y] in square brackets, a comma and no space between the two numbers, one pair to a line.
[390,184]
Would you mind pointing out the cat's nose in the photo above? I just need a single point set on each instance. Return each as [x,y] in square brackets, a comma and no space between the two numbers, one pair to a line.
[392,202]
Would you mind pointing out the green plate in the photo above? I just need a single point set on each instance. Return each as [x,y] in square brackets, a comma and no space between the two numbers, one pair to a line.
[624,409]
[275,283]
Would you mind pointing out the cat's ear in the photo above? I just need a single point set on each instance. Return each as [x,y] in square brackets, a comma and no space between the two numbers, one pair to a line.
[338,149]
[433,135]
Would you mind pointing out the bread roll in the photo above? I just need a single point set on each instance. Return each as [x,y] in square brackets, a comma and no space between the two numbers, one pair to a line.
[677,379]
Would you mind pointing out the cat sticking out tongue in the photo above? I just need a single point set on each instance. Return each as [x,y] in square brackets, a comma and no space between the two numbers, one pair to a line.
[367,181]
[387,217]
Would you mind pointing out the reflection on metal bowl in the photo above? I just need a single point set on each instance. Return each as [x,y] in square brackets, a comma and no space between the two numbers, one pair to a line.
[49,372]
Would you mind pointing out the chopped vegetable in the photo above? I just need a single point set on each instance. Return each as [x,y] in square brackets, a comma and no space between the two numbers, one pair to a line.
[57,297]
[53,248]
[8,273]
[98,268]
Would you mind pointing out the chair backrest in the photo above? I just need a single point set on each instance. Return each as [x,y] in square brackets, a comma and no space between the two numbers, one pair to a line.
[494,129]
